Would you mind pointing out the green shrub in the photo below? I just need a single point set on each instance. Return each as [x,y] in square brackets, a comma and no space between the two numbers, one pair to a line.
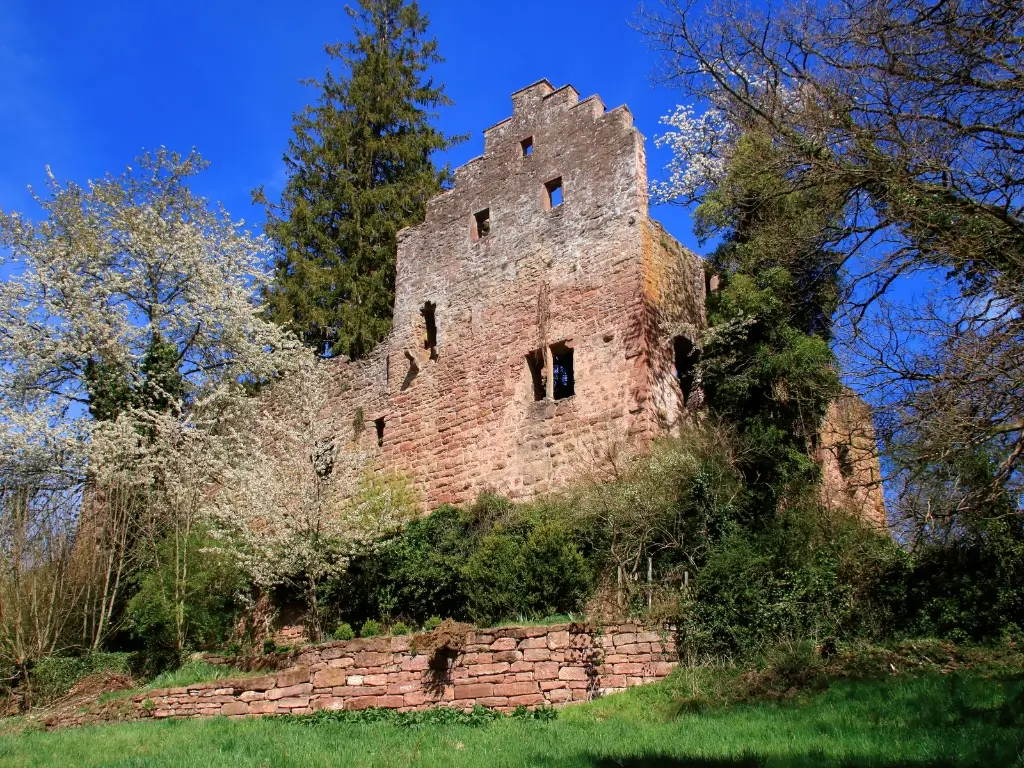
[805,577]
[371,628]
[269,645]
[530,568]
[400,628]
[201,616]
[54,676]
[432,623]
[343,631]
[416,575]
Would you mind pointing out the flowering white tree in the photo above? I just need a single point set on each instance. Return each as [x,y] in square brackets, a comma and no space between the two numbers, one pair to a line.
[301,504]
[132,304]
[119,265]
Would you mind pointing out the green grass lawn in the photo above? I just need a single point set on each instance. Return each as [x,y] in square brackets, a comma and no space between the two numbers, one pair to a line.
[955,720]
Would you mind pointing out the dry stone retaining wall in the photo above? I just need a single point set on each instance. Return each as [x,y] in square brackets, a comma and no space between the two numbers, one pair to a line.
[497,668]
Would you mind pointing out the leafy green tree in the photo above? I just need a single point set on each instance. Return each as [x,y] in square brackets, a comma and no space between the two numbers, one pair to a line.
[767,368]
[359,170]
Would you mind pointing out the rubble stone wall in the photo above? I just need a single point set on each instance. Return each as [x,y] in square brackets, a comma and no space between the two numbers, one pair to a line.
[497,668]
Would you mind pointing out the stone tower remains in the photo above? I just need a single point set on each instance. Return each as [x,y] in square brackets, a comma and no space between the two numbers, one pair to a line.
[542,321]
[534,313]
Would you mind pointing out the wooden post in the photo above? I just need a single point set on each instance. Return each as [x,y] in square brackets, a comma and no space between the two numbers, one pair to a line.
[650,579]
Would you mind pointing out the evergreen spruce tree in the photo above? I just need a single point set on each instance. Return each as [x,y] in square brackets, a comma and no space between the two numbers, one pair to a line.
[359,170]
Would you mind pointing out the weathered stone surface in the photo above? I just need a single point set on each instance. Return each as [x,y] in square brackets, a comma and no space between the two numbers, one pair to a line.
[515,689]
[330,677]
[475,691]
[235,708]
[292,690]
[572,673]
[293,676]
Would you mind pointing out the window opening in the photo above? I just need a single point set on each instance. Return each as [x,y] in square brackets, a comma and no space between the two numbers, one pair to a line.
[554,190]
[482,224]
[563,379]
[535,362]
[527,145]
[686,357]
[379,424]
[430,328]
[845,461]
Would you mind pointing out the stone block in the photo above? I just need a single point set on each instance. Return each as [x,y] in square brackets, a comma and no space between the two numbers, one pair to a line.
[332,703]
[546,670]
[328,678]
[557,640]
[504,644]
[292,676]
[292,690]
[526,700]
[624,638]
[352,680]
[522,666]
[558,695]
[235,708]
[628,669]
[533,642]
[390,702]
[514,689]
[573,673]
[476,691]
[361,702]
[537,654]
[416,663]
[488,669]
[376,679]
[508,657]
[295,702]
[248,696]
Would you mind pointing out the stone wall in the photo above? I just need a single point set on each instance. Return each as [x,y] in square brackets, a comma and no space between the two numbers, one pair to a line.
[458,413]
[497,668]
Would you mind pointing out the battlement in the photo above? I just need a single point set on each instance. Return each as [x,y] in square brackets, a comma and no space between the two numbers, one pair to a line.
[552,134]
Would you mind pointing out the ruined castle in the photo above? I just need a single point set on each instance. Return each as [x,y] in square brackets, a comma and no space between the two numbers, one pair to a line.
[542,319]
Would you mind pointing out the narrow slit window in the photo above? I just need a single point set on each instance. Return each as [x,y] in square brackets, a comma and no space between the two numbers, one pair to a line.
[554,192]
[482,224]
[535,362]
[379,424]
[686,357]
[527,145]
[430,328]
[563,380]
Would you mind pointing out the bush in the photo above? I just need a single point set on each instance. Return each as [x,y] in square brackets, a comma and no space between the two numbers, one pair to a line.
[805,577]
[528,568]
[207,603]
[432,623]
[371,628]
[343,631]
[54,676]
[416,575]
[269,645]
[400,628]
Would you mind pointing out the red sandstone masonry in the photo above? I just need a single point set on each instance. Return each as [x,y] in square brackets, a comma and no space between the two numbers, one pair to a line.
[571,663]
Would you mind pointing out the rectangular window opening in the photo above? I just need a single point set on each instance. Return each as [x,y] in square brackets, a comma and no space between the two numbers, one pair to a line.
[430,328]
[379,424]
[535,362]
[562,375]
[527,145]
[686,357]
[482,224]
[554,190]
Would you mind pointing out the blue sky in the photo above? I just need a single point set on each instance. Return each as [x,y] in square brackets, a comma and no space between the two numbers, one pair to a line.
[84,87]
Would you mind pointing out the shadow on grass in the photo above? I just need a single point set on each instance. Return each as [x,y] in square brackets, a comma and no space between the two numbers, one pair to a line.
[668,761]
